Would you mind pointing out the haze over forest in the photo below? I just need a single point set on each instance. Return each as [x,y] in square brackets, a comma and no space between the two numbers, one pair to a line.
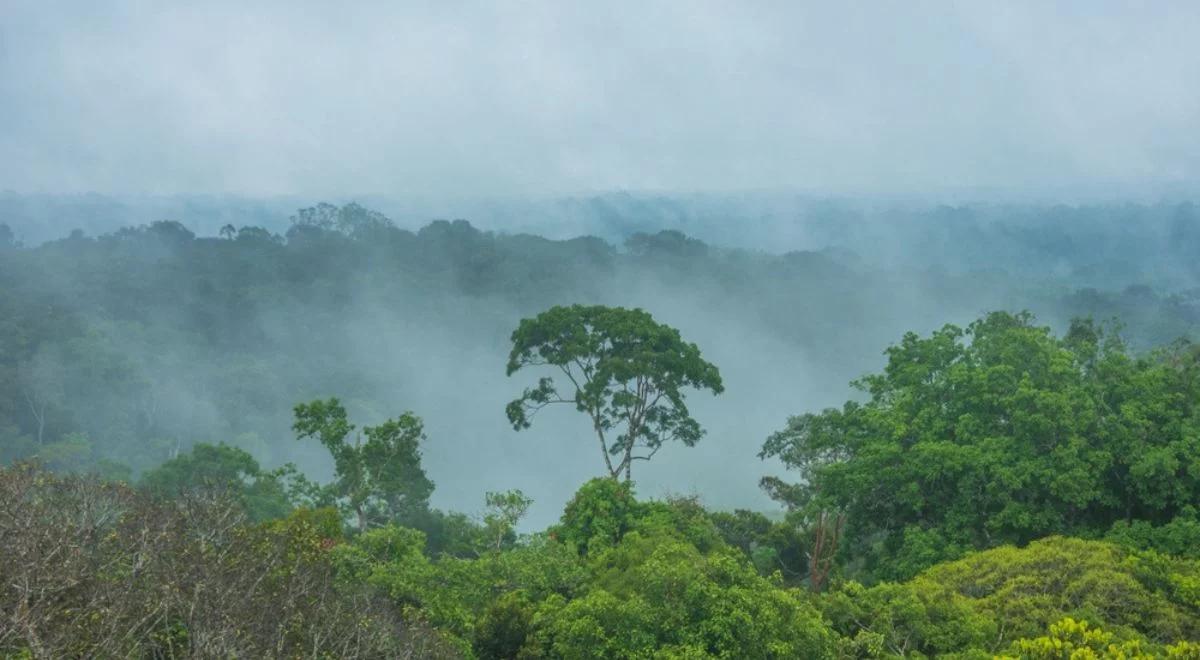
[539,98]
[213,215]
[419,320]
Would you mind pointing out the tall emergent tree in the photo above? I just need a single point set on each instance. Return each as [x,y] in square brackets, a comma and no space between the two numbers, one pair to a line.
[624,369]
[379,479]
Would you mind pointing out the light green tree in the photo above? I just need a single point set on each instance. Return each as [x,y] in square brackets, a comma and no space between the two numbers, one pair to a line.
[504,511]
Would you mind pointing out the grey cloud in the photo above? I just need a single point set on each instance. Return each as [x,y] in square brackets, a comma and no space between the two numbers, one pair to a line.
[488,98]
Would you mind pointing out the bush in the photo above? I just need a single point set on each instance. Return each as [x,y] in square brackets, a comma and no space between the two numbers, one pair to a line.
[95,569]
[987,600]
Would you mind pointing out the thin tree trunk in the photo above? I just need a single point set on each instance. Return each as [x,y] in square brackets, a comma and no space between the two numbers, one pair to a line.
[39,415]
[604,449]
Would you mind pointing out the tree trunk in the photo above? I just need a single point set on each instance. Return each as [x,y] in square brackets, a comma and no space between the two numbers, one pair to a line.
[39,415]
[604,449]
[827,535]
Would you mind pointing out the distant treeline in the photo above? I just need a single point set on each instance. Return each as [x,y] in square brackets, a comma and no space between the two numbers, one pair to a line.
[1097,244]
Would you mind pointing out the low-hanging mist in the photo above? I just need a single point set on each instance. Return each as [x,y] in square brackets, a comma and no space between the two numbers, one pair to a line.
[145,340]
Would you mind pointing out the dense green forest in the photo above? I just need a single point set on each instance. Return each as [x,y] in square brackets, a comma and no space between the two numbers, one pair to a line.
[351,439]
[133,345]
[542,330]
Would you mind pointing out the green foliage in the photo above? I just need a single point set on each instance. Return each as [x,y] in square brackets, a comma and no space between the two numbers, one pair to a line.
[662,597]
[683,518]
[602,511]
[454,593]
[626,371]
[1180,537]
[154,338]
[505,627]
[73,452]
[1000,433]
[990,599]
[392,459]
[989,436]
[666,586]
[321,527]
[449,533]
[1075,640]
[205,465]
[772,545]
[379,480]
[504,511]
[617,578]
[351,220]
[221,468]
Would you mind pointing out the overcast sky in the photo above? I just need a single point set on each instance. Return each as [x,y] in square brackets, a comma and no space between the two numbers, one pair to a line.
[523,98]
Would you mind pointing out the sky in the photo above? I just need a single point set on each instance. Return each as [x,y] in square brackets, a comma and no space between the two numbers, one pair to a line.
[532,98]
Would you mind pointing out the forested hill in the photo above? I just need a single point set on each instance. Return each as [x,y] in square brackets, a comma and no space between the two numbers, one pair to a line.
[125,349]
[1104,244]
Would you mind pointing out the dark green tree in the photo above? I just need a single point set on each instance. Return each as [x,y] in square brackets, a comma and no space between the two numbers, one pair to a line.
[379,477]
[221,468]
[997,433]
[599,515]
[626,371]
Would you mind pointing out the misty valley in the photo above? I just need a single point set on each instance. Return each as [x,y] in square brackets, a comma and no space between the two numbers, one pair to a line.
[853,429]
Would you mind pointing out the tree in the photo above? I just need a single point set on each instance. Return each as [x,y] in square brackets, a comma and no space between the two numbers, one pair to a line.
[1070,640]
[392,458]
[997,433]
[8,240]
[170,232]
[504,511]
[379,479]
[257,235]
[72,452]
[625,371]
[773,546]
[667,244]
[599,515]
[992,598]
[100,570]
[352,220]
[223,469]
[819,522]
[658,596]
[41,382]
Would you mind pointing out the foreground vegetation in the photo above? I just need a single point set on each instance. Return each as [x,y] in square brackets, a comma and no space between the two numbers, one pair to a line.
[998,491]
[93,568]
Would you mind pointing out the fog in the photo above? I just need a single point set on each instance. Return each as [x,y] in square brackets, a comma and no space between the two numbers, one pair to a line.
[852,172]
[146,340]
[536,98]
